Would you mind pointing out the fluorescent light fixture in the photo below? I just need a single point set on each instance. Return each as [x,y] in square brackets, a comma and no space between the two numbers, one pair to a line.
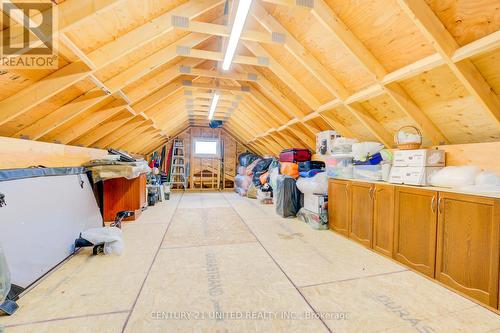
[239,23]
[213,106]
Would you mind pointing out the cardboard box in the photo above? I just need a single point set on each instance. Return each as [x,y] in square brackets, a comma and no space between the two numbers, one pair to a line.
[316,203]
[419,158]
[419,176]
[324,142]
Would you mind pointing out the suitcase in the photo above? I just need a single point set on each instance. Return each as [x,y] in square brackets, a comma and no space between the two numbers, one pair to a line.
[295,155]
[311,165]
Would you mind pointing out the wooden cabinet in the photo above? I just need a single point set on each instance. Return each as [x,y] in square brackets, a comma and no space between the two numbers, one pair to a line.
[339,206]
[383,219]
[415,228]
[361,220]
[454,238]
[468,245]
[124,194]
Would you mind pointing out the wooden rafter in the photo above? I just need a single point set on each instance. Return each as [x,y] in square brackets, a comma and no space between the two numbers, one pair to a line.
[432,28]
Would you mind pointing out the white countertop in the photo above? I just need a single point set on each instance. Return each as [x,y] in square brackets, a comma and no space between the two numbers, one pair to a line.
[430,188]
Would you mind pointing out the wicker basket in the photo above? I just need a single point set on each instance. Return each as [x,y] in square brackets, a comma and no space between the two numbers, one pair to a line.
[408,145]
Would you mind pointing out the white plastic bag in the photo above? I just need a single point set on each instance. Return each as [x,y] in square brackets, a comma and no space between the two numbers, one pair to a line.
[343,145]
[110,236]
[4,277]
[485,182]
[315,185]
[362,150]
[274,172]
[404,137]
[455,176]
[487,178]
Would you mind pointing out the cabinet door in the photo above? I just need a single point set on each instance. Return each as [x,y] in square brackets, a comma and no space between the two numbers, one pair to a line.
[361,226]
[415,229]
[339,206]
[468,245]
[383,219]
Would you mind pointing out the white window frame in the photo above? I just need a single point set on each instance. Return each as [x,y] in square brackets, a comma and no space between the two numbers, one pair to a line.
[217,153]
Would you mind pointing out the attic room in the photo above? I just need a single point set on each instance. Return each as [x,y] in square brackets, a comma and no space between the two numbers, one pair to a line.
[250,166]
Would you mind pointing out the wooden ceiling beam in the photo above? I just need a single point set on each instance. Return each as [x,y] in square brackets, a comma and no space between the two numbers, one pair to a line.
[40,91]
[89,138]
[134,134]
[487,43]
[401,98]
[188,51]
[159,96]
[186,70]
[309,139]
[335,123]
[233,89]
[275,95]
[262,101]
[183,23]
[72,73]
[153,29]
[93,120]
[465,71]
[158,81]
[284,75]
[64,114]
[144,138]
[106,141]
[370,123]
[70,14]
[292,140]
[155,60]
[243,131]
[303,56]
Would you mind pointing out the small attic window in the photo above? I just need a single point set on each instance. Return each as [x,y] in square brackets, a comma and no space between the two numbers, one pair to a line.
[207,147]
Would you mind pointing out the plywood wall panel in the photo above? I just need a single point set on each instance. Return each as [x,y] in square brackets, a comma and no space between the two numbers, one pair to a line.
[15,126]
[488,65]
[384,29]
[323,46]
[446,102]
[299,72]
[467,20]
[116,21]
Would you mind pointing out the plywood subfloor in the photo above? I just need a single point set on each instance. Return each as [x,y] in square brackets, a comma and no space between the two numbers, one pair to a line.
[205,253]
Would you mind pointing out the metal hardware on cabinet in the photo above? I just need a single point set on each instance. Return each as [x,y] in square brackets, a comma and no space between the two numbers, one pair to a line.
[432,203]
[439,205]
[371,192]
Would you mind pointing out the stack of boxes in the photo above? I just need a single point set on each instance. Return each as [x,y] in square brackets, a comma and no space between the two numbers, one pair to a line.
[415,167]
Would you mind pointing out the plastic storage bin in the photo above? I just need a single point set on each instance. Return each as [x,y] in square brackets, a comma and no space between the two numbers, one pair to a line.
[339,166]
[368,172]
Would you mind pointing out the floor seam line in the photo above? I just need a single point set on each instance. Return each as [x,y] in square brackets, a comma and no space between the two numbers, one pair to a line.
[279,267]
[205,245]
[152,263]
[353,279]
[66,318]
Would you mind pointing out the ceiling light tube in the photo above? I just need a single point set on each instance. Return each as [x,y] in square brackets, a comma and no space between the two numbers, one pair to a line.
[213,106]
[239,23]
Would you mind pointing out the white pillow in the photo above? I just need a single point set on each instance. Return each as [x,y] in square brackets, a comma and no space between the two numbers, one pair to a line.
[455,176]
